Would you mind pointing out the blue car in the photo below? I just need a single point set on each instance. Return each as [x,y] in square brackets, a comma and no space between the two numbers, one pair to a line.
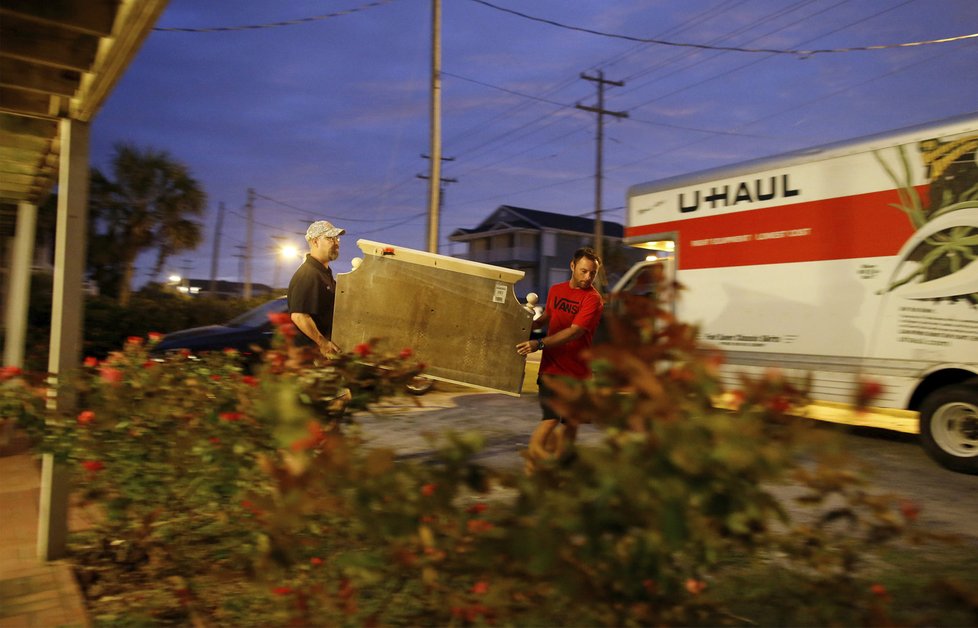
[249,334]
[244,333]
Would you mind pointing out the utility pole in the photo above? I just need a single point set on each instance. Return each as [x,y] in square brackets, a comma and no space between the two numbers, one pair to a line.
[434,187]
[443,181]
[241,255]
[186,267]
[216,252]
[249,244]
[598,173]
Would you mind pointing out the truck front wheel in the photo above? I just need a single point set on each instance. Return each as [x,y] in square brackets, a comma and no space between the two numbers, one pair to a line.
[949,427]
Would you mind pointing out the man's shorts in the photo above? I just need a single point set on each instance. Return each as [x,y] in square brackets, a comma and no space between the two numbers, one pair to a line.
[546,394]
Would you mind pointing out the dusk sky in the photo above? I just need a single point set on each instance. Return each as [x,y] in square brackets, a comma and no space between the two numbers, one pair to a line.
[328,118]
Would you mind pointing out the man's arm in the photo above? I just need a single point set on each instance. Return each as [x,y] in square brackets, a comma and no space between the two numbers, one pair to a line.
[561,337]
[308,326]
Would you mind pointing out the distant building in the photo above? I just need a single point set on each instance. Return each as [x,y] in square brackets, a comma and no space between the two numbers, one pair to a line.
[225,289]
[541,244]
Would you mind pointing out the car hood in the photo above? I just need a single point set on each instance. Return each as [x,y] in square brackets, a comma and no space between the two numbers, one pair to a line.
[213,338]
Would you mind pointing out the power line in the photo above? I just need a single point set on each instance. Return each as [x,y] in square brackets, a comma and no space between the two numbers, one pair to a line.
[799,53]
[317,215]
[726,73]
[250,27]
[808,102]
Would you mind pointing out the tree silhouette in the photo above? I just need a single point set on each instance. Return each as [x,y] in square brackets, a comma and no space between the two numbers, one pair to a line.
[148,204]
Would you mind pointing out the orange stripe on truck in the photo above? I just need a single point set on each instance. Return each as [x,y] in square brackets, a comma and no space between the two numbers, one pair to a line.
[858,226]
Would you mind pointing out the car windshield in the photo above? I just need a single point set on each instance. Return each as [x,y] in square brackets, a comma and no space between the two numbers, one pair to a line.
[258,316]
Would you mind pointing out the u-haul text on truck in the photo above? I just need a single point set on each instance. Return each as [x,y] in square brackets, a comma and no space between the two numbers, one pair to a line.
[854,262]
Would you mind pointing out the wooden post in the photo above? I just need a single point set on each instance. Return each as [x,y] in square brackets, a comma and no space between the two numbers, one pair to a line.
[19,289]
[66,322]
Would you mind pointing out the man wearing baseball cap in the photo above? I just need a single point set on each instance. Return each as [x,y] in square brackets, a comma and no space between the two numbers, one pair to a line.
[312,290]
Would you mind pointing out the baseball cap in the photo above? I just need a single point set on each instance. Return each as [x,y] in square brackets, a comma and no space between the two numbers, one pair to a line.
[323,228]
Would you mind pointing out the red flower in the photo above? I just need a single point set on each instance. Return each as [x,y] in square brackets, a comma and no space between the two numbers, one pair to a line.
[738,398]
[282,591]
[215,377]
[230,417]
[477,508]
[681,374]
[110,374]
[316,561]
[134,340]
[9,372]
[429,489]
[214,440]
[251,380]
[93,465]
[695,586]
[154,336]
[280,318]
[185,353]
[85,417]
[473,611]
[478,525]
[779,404]
[248,505]
[880,591]
[909,509]
[363,349]
[868,391]
[289,331]
[91,362]
[480,588]
[406,353]
[148,364]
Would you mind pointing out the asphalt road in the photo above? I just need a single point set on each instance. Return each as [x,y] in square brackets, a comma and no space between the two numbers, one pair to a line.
[894,462]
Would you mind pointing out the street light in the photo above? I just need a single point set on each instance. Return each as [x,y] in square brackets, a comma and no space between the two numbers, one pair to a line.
[286,252]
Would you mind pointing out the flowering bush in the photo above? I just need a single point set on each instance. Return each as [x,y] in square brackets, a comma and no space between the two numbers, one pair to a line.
[252,500]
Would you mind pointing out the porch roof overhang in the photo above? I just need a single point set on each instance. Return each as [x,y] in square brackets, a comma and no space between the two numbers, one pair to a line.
[58,60]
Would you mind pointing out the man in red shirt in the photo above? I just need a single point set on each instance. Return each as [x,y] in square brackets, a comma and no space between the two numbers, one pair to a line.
[573,311]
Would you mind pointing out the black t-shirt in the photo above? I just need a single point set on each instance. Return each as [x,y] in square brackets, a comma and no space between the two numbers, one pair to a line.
[312,291]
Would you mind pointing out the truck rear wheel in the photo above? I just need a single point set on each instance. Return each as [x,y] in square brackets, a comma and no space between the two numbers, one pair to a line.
[949,427]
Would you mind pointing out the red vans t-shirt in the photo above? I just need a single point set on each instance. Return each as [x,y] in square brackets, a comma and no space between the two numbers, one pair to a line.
[571,306]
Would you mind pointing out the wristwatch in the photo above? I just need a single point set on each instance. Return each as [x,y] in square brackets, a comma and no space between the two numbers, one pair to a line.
[539,345]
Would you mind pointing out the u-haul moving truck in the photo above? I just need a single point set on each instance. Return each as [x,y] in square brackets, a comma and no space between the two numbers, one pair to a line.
[854,262]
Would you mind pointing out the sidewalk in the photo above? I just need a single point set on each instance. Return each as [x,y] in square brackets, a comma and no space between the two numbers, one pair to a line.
[33,593]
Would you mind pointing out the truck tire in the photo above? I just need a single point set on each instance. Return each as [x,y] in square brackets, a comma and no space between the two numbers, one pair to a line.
[949,427]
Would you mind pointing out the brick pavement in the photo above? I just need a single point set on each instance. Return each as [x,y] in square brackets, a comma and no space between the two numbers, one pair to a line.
[33,593]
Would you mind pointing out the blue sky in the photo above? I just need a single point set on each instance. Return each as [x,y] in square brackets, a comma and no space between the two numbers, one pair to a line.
[328,118]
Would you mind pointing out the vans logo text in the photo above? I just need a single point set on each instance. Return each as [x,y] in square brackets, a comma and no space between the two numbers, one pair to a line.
[566,305]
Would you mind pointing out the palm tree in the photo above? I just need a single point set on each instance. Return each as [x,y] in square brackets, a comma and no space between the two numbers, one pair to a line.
[147,205]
